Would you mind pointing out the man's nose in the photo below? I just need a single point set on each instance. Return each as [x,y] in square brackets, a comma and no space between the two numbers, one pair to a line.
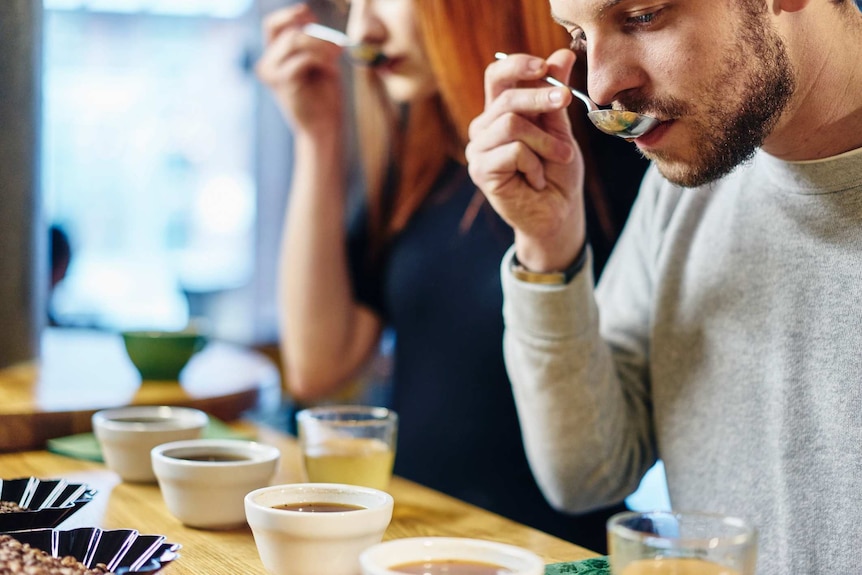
[614,67]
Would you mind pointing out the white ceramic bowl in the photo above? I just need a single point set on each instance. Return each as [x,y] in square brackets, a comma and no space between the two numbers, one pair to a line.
[127,434]
[204,481]
[304,543]
[379,559]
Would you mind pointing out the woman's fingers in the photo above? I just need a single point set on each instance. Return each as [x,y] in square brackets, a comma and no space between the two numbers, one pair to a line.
[296,70]
[276,52]
[293,47]
[275,22]
[302,72]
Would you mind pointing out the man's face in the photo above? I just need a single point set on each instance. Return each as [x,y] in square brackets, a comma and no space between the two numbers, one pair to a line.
[715,72]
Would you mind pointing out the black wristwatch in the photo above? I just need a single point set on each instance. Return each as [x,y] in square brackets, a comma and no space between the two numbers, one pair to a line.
[549,278]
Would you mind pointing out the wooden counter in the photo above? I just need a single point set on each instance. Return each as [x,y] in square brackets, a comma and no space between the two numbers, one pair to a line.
[418,512]
[82,371]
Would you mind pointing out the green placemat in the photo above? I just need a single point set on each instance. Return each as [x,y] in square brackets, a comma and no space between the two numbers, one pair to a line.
[85,446]
[595,566]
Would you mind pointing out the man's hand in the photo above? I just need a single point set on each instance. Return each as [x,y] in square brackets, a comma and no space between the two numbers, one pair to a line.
[523,157]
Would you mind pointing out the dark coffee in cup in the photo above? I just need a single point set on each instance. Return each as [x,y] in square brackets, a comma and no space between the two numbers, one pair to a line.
[139,419]
[318,507]
[450,567]
[211,457]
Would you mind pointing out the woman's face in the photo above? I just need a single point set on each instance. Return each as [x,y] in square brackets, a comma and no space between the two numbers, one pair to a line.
[391,26]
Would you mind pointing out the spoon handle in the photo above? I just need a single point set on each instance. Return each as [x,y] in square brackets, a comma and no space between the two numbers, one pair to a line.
[327,34]
[591,106]
[363,54]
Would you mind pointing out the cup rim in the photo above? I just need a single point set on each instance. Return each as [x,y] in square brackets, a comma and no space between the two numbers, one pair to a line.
[746,531]
[255,451]
[383,499]
[372,415]
[152,334]
[171,418]
[532,560]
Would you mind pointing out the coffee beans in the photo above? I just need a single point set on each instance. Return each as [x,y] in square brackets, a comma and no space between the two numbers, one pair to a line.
[18,558]
[10,507]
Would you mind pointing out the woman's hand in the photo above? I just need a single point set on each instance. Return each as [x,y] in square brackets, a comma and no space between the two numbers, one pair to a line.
[523,157]
[302,72]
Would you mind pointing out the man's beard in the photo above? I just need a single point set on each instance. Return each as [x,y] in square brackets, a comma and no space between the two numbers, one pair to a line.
[725,132]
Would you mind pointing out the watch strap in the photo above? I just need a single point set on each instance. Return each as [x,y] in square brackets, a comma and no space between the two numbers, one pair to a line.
[549,278]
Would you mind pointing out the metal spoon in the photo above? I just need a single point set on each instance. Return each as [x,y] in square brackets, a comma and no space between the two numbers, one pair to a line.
[365,54]
[622,123]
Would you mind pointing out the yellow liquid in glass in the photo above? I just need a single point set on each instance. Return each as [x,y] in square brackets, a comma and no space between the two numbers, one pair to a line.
[676,566]
[359,461]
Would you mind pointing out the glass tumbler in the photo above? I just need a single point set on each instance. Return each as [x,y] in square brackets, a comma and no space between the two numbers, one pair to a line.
[348,444]
[681,543]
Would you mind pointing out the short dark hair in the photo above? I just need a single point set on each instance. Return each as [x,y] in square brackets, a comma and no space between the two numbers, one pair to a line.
[60,248]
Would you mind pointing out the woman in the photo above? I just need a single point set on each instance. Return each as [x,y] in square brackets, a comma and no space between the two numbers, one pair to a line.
[422,253]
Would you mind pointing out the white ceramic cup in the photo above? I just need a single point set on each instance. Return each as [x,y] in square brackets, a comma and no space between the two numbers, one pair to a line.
[204,481]
[127,434]
[381,558]
[306,543]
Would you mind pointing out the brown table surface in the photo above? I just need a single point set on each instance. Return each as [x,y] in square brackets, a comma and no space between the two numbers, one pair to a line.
[419,511]
[82,371]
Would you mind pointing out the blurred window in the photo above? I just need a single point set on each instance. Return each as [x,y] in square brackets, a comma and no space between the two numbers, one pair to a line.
[148,141]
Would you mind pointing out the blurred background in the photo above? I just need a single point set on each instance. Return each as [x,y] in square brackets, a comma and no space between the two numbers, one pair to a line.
[162,163]
[144,166]
[154,141]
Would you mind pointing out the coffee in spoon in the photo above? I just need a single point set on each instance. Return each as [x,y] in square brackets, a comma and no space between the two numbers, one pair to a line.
[621,123]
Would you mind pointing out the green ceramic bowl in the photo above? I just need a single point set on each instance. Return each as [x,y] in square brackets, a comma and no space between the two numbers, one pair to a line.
[161,355]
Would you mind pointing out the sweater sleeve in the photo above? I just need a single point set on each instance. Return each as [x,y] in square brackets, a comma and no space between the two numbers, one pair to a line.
[581,378]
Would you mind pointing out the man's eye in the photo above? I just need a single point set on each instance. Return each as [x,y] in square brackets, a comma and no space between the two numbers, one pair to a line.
[642,20]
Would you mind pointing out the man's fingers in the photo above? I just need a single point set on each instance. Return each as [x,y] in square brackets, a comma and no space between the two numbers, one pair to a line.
[532,102]
[529,102]
[560,64]
[503,163]
[486,134]
[507,73]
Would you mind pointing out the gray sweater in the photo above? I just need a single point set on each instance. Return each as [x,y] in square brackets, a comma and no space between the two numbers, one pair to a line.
[724,338]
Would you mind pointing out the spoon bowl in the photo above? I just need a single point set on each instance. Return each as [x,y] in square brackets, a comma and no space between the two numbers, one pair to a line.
[621,123]
[364,54]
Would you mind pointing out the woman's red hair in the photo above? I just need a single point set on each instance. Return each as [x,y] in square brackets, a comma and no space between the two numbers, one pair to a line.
[460,37]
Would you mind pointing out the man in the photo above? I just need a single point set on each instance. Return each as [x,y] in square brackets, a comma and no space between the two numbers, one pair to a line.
[726,334]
